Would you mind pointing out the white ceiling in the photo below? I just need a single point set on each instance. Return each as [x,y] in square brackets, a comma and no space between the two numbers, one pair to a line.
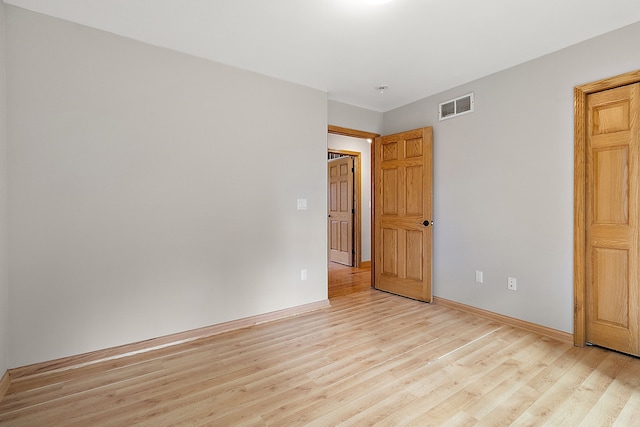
[348,47]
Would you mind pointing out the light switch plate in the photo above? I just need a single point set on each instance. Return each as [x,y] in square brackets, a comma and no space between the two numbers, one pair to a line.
[302,204]
[479,277]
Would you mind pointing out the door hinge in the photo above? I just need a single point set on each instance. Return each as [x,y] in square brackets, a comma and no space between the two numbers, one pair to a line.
[353,210]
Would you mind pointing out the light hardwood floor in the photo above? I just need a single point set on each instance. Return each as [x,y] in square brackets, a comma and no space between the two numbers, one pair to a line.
[370,359]
[345,280]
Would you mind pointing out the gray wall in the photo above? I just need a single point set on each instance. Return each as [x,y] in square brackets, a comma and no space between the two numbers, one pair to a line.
[351,117]
[152,192]
[4,283]
[360,145]
[503,180]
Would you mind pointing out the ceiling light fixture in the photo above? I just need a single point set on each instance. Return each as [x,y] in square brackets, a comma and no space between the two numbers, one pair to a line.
[382,88]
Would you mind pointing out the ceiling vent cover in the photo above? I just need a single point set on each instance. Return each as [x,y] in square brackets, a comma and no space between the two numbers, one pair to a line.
[456,107]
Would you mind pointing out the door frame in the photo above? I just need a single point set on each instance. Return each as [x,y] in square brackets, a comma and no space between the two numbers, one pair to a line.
[357,225]
[579,224]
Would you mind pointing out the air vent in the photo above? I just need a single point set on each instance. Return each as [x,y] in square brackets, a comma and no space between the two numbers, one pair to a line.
[456,107]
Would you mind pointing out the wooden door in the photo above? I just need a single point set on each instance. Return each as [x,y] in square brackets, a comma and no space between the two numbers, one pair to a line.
[403,213]
[341,210]
[612,219]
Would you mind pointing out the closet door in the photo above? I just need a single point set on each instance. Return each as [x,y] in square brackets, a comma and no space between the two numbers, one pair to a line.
[612,219]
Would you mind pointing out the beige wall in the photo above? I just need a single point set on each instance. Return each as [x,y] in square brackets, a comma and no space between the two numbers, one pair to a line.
[503,180]
[4,283]
[152,192]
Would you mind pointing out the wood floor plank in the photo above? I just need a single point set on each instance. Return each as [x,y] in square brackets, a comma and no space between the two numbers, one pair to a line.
[575,408]
[344,281]
[564,385]
[630,414]
[371,358]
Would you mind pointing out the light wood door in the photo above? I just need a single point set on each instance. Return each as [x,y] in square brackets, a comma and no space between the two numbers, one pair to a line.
[403,213]
[612,219]
[341,210]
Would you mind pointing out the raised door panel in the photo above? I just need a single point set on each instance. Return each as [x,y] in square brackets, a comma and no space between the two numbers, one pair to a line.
[611,286]
[389,252]
[611,185]
[390,191]
[414,191]
[415,255]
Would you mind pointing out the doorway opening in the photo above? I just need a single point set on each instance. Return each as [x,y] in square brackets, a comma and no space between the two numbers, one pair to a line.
[356,145]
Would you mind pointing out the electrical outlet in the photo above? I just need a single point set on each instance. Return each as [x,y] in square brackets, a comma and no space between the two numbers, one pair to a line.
[303,274]
[511,283]
[479,278]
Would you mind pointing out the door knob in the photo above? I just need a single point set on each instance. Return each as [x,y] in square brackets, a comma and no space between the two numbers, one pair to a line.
[426,223]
